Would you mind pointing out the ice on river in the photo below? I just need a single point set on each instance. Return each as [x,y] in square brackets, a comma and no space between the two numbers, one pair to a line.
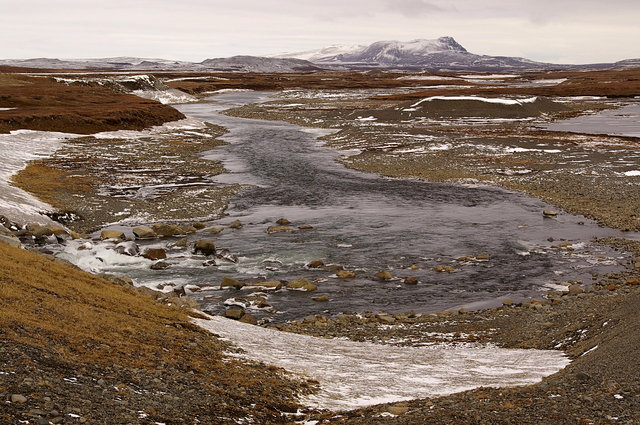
[355,374]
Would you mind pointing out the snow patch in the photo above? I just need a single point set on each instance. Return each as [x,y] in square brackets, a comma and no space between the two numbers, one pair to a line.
[355,374]
[479,99]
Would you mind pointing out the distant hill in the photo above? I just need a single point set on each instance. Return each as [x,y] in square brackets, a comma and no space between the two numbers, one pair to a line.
[441,54]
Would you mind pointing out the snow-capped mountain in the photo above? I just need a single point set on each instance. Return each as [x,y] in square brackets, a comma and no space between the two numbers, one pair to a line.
[439,54]
[259,64]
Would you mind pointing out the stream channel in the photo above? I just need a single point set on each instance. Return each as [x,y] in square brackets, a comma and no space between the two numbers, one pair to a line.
[368,223]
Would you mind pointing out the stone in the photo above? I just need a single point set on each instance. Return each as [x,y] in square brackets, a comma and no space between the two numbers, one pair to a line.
[444,269]
[305,227]
[550,213]
[213,230]
[129,248]
[575,289]
[228,282]
[38,230]
[166,229]
[144,232]
[181,243]
[398,409]
[188,229]
[235,224]
[155,254]
[315,264]
[234,312]
[301,285]
[333,267]
[11,240]
[111,234]
[383,275]
[385,318]
[463,310]
[345,274]
[249,319]
[410,280]
[18,398]
[76,235]
[321,299]
[283,222]
[507,303]
[205,247]
[160,265]
[198,225]
[279,229]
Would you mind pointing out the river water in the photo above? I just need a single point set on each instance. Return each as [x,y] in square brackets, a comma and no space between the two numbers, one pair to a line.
[369,223]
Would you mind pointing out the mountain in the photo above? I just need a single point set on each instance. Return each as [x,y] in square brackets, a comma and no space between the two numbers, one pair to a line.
[259,64]
[443,53]
[233,64]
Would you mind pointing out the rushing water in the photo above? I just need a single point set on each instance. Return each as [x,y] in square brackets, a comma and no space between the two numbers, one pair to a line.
[368,223]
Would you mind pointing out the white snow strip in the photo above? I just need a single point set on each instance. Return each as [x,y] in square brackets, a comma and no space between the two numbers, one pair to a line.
[185,124]
[633,173]
[16,150]
[480,99]
[355,374]
[425,77]
[6,109]
[489,77]
[171,96]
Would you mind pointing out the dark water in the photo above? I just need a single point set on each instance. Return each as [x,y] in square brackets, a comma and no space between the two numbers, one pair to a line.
[624,121]
[369,223]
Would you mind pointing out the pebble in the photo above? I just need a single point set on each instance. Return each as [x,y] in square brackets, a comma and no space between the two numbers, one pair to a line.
[18,398]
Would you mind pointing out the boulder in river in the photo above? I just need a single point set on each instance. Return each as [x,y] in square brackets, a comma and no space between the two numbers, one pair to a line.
[444,269]
[234,312]
[383,275]
[144,232]
[279,229]
[550,213]
[249,319]
[235,224]
[228,282]
[111,234]
[213,230]
[315,264]
[129,248]
[305,227]
[273,285]
[301,285]
[155,254]
[283,222]
[410,280]
[166,229]
[345,274]
[160,265]
[204,247]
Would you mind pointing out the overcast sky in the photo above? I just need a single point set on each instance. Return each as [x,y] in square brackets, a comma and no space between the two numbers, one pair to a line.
[561,31]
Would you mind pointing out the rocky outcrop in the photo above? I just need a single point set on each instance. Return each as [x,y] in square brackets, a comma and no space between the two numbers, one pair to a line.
[205,247]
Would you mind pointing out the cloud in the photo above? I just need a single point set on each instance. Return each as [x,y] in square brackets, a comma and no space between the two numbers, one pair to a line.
[412,8]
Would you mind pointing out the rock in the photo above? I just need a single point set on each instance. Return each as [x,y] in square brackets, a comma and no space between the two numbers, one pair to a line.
[483,257]
[249,318]
[463,310]
[507,303]
[235,224]
[18,398]
[228,282]
[11,240]
[144,232]
[129,248]
[383,275]
[155,254]
[279,229]
[226,255]
[273,285]
[444,269]
[166,229]
[181,243]
[575,289]
[283,222]
[76,235]
[345,274]
[111,234]
[321,299]
[160,265]
[234,312]
[333,267]
[301,285]
[398,409]
[198,225]
[410,280]
[315,264]
[550,213]
[188,229]
[385,318]
[38,230]
[305,227]
[205,247]
[213,230]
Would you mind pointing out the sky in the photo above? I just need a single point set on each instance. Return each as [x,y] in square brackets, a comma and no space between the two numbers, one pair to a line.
[558,31]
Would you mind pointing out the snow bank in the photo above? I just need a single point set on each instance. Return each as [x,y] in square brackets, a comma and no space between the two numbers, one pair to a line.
[354,374]
[480,99]
[17,149]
